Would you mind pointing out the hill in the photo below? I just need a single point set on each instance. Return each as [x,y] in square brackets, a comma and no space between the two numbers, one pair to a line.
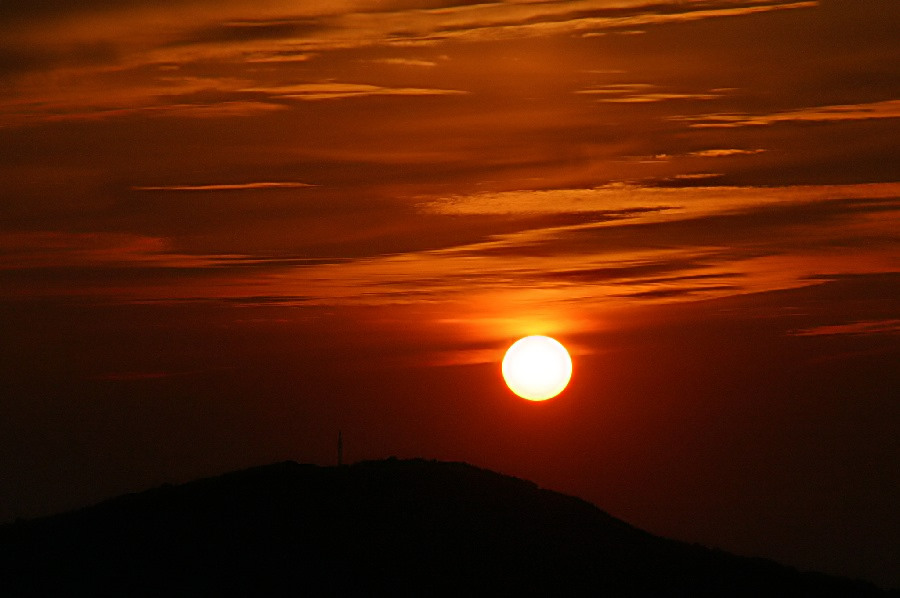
[394,527]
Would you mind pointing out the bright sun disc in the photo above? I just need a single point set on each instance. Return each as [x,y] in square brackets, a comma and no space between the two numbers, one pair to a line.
[537,368]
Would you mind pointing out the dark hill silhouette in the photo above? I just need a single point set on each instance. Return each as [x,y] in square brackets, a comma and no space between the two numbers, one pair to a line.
[389,527]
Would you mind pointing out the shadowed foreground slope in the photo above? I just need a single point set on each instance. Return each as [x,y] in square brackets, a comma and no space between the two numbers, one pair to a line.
[386,527]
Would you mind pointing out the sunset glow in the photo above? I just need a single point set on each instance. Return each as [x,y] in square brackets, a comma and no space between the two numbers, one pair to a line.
[229,229]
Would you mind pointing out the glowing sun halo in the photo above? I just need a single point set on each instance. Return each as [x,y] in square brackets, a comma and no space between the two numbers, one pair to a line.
[537,368]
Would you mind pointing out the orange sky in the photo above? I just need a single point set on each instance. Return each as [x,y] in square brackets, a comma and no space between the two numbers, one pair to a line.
[229,228]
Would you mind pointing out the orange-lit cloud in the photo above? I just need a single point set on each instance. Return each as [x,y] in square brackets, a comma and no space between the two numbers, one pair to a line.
[637,93]
[330,91]
[847,112]
[508,21]
[226,186]
[447,138]
[39,249]
[853,328]
[281,30]
[652,203]
[405,62]
[224,109]
[720,153]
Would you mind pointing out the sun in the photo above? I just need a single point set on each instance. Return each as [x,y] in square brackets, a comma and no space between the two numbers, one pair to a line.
[537,368]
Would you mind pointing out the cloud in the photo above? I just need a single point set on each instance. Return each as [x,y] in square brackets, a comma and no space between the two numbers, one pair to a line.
[616,89]
[334,90]
[696,176]
[650,203]
[133,376]
[340,25]
[249,30]
[837,113]
[276,56]
[404,62]
[28,10]
[745,246]
[736,240]
[157,93]
[226,109]
[142,376]
[15,59]
[640,93]
[721,153]
[681,292]
[118,250]
[715,248]
[864,328]
[110,46]
[659,97]
[646,271]
[226,186]
[190,97]
[45,249]
[216,110]
[540,19]
[505,187]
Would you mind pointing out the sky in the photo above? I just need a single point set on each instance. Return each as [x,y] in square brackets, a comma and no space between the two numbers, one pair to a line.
[229,229]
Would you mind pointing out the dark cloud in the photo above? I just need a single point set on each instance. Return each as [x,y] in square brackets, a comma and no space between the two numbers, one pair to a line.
[679,292]
[26,12]
[20,59]
[650,9]
[249,30]
[756,231]
[404,5]
[630,272]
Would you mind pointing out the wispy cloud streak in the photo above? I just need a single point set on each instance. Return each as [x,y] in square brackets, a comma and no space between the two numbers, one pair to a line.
[642,93]
[853,328]
[226,187]
[330,91]
[651,203]
[838,113]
